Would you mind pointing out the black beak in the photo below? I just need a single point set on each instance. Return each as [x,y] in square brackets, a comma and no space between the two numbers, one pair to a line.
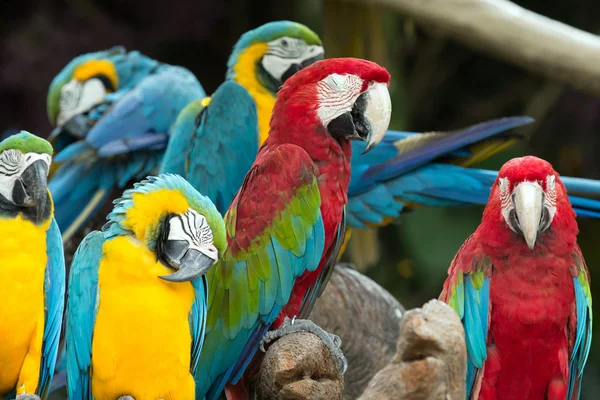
[297,67]
[189,263]
[31,189]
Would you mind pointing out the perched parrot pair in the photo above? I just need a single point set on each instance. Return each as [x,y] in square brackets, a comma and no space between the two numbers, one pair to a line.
[522,289]
[135,330]
[112,111]
[32,270]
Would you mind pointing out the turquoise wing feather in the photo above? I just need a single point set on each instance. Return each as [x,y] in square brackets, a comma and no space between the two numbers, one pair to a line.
[275,233]
[213,147]
[54,297]
[82,307]
[197,320]
[583,332]
[467,291]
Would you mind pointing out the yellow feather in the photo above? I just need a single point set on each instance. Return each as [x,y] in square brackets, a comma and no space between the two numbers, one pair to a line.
[245,75]
[23,261]
[142,341]
[97,67]
[149,208]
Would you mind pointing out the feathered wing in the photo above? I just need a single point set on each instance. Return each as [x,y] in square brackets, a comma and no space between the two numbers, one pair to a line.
[214,143]
[82,308]
[467,291]
[54,297]
[580,326]
[275,233]
[390,176]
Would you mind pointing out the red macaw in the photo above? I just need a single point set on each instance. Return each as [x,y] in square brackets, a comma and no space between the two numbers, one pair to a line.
[286,224]
[522,290]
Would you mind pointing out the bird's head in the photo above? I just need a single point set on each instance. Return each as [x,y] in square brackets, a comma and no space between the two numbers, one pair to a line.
[348,97]
[174,221]
[529,197]
[24,164]
[273,52]
[82,84]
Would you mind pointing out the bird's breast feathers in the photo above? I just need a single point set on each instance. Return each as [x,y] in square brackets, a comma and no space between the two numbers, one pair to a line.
[142,338]
[23,261]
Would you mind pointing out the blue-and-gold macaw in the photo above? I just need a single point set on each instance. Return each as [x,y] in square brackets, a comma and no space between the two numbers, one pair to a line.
[32,269]
[218,137]
[136,310]
[112,111]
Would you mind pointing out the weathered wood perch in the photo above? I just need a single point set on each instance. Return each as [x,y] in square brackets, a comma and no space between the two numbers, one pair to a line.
[421,357]
[366,317]
[505,30]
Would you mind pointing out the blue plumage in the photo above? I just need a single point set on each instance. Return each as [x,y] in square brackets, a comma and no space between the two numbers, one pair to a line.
[118,140]
[82,307]
[214,147]
[54,290]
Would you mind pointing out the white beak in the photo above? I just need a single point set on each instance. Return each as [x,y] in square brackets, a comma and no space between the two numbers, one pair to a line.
[528,200]
[377,113]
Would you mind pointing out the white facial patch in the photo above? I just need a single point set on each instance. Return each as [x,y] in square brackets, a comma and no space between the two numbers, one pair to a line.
[505,201]
[77,97]
[550,198]
[284,52]
[12,165]
[193,228]
[337,95]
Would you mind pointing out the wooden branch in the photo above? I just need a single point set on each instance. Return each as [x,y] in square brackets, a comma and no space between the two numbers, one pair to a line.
[430,360]
[505,30]
[366,317]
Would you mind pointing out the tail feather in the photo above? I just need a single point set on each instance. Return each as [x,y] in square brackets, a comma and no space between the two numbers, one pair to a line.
[434,146]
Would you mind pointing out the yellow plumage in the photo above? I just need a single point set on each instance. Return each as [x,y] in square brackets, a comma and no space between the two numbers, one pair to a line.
[142,340]
[245,75]
[23,261]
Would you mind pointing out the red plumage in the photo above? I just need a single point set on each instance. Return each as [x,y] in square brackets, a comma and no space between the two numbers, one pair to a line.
[532,307]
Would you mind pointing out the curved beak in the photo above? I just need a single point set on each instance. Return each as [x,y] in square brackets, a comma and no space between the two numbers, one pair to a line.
[528,198]
[311,55]
[377,114]
[189,262]
[34,181]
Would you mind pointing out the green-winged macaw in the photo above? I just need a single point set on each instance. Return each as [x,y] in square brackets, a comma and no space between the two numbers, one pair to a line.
[286,224]
[522,289]
[136,309]
[32,269]
[112,111]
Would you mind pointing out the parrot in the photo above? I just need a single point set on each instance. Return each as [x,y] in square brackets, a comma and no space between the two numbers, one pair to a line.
[522,290]
[32,269]
[137,303]
[112,111]
[218,137]
[285,225]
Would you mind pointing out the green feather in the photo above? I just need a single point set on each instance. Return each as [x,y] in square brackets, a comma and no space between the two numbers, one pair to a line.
[26,143]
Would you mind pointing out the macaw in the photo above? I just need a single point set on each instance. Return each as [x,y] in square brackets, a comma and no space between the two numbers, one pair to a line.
[218,137]
[137,304]
[112,111]
[32,269]
[522,289]
[286,223]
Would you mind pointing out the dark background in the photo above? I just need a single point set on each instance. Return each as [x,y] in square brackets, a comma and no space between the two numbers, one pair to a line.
[437,84]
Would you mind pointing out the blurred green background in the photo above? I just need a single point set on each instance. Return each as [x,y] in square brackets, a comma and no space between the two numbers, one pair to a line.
[437,84]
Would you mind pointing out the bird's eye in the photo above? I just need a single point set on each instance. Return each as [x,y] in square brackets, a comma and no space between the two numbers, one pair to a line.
[284,43]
